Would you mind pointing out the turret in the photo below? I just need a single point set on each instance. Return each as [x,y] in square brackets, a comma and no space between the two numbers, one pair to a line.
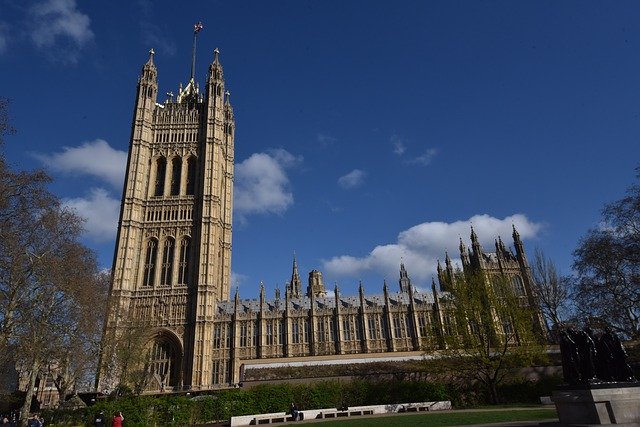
[477,260]
[236,302]
[405,281]
[261,296]
[316,284]
[295,284]
[448,265]
[147,89]
[520,254]
[464,255]
[215,80]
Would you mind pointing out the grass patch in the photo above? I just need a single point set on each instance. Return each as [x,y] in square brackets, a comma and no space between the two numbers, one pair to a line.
[453,418]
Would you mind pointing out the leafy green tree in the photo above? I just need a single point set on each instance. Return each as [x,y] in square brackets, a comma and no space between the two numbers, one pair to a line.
[490,331]
[607,262]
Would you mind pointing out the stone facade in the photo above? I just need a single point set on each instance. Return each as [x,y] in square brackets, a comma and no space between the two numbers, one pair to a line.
[172,261]
[318,327]
[172,268]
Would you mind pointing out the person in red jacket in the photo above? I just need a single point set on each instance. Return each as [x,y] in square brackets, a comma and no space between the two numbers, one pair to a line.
[117,420]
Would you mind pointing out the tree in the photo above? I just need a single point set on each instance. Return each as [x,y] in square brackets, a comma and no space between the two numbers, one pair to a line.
[552,290]
[491,331]
[607,262]
[49,282]
[125,357]
[76,360]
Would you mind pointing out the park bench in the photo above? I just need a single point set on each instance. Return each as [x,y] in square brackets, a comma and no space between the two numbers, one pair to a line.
[270,418]
[328,413]
[336,413]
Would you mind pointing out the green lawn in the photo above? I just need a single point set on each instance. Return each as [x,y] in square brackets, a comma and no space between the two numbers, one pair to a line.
[453,418]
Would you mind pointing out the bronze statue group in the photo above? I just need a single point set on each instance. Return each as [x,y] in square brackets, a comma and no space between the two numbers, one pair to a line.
[591,360]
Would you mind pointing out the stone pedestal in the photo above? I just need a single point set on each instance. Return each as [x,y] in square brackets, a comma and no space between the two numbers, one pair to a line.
[607,403]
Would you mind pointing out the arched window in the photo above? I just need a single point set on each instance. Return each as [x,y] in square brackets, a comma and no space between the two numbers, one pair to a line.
[167,262]
[150,262]
[518,286]
[161,169]
[176,171]
[183,266]
[191,175]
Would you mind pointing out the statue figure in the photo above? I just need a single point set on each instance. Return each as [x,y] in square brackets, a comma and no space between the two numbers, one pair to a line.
[588,355]
[620,369]
[570,358]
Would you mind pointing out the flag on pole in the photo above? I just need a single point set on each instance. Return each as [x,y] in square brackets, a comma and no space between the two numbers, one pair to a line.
[197,27]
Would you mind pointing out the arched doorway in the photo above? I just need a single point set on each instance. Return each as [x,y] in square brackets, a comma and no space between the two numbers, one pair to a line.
[165,361]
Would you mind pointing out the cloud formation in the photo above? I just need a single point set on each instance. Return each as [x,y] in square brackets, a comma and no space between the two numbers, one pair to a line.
[237,279]
[353,179]
[262,184]
[95,158]
[99,208]
[422,245]
[100,212]
[398,145]
[59,22]
[325,140]
[425,158]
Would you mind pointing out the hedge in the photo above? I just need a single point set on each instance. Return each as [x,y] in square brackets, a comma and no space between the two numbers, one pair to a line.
[180,410]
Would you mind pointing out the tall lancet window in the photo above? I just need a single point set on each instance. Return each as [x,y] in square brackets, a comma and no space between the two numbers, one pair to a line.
[518,286]
[176,171]
[183,266]
[150,262]
[167,262]
[161,170]
[191,175]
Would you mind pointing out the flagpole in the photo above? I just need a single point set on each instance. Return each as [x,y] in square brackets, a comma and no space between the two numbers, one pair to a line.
[193,54]
[196,29]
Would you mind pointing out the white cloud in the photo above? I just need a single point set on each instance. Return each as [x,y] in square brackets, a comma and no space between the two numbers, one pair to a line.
[398,145]
[262,185]
[425,158]
[422,245]
[325,140]
[59,21]
[353,179]
[237,279]
[96,158]
[100,212]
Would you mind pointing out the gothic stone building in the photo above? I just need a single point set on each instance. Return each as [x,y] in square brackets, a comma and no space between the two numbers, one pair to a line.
[172,267]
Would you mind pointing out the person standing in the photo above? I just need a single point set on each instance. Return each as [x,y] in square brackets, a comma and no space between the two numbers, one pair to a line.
[34,421]
[100,420]
[117,420]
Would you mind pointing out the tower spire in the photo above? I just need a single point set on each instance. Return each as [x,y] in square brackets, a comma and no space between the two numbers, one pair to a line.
[295,284]
[197,27]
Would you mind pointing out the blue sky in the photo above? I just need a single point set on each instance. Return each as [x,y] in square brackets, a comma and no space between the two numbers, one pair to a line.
[367,132]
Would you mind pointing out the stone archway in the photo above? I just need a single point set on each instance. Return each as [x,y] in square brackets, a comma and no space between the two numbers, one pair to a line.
[165,362]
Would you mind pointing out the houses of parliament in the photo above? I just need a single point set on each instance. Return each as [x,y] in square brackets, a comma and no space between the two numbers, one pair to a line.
[172,265]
